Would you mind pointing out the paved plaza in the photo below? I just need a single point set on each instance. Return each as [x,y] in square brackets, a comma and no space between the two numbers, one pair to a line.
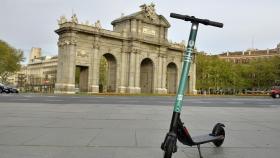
[33,126]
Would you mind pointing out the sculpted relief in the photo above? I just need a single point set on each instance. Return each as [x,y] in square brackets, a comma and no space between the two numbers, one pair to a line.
[82,53]
[149,31]
[149,11]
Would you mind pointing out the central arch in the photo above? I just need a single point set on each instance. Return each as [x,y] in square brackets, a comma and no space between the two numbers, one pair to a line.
[107,73]
[146,76]
[171,78]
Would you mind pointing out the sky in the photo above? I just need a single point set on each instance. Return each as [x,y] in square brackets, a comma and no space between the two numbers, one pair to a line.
[247,23]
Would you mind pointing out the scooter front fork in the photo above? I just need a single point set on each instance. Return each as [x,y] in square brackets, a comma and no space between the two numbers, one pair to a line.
[169,144]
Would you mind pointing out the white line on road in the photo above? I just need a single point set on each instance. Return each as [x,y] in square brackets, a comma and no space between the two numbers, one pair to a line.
[201,102]
[21,99]
[76,97]
[28,96]
[233,102]
[53,100]
[129,101]
[165,102]
[274,106]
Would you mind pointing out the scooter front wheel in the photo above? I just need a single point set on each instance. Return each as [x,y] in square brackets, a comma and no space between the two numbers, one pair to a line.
[169,145]
[168,152]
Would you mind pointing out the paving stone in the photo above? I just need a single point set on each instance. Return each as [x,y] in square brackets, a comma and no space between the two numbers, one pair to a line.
[64,137]
[115,138]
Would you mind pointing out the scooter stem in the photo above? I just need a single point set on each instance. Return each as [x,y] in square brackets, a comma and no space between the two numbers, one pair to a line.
[184,76]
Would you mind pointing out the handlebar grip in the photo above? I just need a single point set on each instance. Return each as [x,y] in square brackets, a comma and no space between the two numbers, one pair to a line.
[178,16]
[216,24]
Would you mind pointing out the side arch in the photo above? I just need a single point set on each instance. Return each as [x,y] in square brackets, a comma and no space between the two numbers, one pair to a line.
[171,78]
[107,73]
[147,75]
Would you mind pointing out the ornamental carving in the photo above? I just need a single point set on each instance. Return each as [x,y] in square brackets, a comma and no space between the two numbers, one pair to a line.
[61,20]
[82,53]
[149,11]
[135,50]
[67,42]
[97,24]
[74,19]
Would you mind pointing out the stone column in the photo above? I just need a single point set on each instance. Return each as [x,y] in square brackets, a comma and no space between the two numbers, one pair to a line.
[162,34]
[94,70]
[65,82]
[165,33]
[131,82]
[139,28]
[134,27]
[164,72]
[159,75]
[137,72]
[123,65]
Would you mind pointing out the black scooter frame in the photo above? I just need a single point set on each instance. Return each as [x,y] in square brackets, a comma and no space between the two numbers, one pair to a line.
[177,129]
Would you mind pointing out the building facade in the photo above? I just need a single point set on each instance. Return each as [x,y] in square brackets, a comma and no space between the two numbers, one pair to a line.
[39,73]
[139,57]
[243,57]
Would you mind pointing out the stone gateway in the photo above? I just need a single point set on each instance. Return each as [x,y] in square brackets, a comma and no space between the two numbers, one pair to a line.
[138,56]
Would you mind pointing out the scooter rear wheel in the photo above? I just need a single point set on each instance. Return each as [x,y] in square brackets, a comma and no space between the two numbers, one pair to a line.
[217,131]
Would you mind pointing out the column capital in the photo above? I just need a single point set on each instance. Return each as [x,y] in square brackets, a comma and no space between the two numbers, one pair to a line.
[135,50]
[160,55]
[67,42]
[96,45]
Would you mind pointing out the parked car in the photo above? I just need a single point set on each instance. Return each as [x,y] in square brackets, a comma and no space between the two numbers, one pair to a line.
[7,89]
[12,89]
[2,88]
[275,92]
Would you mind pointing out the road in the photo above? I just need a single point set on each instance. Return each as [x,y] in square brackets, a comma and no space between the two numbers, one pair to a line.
[49,126]
[225,101]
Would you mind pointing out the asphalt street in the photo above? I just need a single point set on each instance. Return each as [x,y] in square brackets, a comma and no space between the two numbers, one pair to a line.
[224,101]
[49,126]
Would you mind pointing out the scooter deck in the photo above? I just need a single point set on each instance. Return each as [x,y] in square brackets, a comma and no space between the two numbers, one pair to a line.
[206,139]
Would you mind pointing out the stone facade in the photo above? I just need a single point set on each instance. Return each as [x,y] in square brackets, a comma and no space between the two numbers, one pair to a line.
[242,57]
[140,58]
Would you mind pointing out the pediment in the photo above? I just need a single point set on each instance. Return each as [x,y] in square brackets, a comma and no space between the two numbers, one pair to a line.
[157,19]
[147,15]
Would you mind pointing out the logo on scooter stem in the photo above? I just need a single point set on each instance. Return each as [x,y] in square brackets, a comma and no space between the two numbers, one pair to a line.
[191,43]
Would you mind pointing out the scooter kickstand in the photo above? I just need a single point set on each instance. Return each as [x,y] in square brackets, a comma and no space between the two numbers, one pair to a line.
[198,147]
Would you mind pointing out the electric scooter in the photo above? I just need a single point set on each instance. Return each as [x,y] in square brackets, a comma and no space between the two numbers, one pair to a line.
[177,129]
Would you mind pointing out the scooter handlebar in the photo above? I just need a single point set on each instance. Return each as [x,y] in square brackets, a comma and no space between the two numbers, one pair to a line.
[196,20]
[178,16]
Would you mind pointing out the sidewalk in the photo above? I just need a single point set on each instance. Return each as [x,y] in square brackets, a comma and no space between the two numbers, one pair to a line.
[131,131]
